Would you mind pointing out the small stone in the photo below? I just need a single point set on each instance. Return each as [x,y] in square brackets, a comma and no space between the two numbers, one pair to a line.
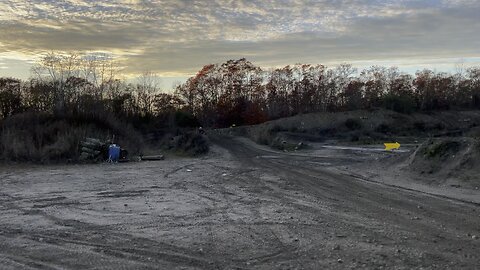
[474,237]
[125,205]
[340,261]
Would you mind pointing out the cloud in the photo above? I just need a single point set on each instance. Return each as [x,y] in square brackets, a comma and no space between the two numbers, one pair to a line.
[178,37]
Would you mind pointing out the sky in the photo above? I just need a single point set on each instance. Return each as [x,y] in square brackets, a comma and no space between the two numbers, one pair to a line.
[176,38]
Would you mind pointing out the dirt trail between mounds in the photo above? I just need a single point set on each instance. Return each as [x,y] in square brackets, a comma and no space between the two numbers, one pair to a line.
[240,207]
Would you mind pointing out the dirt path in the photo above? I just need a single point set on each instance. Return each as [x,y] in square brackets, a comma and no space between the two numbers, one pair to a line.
[238,209]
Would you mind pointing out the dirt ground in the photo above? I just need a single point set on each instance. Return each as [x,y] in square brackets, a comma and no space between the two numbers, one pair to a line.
[240,207]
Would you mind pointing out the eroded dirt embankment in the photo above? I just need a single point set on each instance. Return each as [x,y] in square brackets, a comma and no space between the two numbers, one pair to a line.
[440,151]
[442,166]
[239,207]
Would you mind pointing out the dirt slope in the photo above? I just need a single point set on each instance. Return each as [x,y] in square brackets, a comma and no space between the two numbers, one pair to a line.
[364,127]
[448,158]
[448,152]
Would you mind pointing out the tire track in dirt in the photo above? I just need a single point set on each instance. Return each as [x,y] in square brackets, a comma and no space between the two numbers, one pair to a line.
[416,227]
[119,246]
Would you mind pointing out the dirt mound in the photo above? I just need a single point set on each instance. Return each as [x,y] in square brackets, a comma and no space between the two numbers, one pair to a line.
[448,158]
[364,127]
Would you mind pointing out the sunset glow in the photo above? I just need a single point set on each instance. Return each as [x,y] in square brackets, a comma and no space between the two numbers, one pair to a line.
[176,38]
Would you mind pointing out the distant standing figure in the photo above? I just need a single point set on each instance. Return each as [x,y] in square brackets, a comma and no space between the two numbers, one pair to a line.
[201,131]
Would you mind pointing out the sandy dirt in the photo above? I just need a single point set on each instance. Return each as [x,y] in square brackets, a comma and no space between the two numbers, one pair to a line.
[240,207]
[372,163]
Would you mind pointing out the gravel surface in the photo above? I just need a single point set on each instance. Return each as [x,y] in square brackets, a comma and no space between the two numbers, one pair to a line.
[240,207]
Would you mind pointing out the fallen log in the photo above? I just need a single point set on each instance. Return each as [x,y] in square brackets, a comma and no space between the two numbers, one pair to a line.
[93,141]
[153,158]
[90,145]
[90,151]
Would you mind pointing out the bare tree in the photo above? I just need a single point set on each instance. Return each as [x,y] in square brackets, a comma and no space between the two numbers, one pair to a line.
[148,85]
[57,68]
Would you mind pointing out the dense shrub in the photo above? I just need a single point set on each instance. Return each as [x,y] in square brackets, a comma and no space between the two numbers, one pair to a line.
[191,143]
[401,104]
[384,128]
[34,137]
[419,125]
[441,149]
[353,123]
[185,119]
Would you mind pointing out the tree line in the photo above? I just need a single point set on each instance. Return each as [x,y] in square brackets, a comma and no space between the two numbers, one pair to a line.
[84,85]
[235,92]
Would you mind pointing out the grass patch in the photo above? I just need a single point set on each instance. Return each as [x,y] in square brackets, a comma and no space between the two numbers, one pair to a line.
[441,149]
